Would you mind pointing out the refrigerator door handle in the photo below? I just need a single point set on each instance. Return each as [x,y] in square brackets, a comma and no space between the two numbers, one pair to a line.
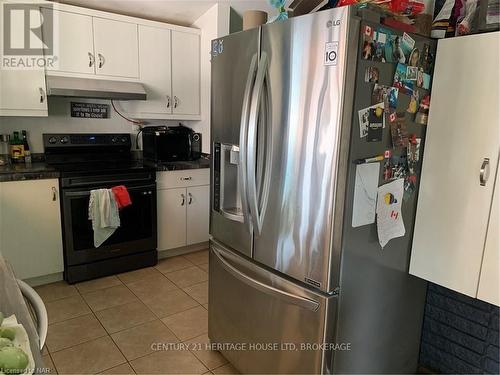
[303,302]
[259,109]
[243,139]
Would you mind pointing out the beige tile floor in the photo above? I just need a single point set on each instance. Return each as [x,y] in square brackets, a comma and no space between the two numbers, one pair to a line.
[108,325]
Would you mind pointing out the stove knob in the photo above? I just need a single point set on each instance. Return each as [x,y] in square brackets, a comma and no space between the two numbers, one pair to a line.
[123,139]
[64,140]
[52,140]
[113,140]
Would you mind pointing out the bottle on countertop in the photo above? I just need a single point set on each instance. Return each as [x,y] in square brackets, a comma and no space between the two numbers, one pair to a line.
[4,149]
[26,148]
[16,149]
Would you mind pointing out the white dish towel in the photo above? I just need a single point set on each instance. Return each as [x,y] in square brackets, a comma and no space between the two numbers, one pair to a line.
[103,211]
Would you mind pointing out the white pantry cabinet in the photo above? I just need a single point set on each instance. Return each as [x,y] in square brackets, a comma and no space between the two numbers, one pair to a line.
[30,227]
[489,281]
[459,170]
[183,208]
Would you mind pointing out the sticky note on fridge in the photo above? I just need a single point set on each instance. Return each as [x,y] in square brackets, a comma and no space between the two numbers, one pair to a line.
[365,194]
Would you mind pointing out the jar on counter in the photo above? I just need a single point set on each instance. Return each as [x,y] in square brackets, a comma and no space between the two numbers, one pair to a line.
[4,149]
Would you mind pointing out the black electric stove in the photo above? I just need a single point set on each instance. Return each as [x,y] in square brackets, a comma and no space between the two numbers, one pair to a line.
[95,161]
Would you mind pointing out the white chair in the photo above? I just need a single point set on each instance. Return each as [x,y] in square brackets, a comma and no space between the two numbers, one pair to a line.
[37,310]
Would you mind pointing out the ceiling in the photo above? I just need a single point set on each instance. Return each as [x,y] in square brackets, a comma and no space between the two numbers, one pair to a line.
[172,11]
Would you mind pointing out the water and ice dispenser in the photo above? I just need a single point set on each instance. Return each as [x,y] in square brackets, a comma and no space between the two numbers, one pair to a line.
[227,182]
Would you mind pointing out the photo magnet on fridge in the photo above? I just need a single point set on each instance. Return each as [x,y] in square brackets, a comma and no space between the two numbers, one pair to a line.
[386,94]
[375,124]
[371,74]
[411,73]
[427,58]
[399,133]
[398,54]
[414,59]
[364,118]
[407,45]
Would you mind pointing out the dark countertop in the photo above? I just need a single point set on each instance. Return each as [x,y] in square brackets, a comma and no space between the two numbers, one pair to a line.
[21,172]
[204,162]
[41,170]
[13,303]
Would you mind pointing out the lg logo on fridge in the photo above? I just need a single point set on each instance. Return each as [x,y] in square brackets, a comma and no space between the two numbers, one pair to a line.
[332,23]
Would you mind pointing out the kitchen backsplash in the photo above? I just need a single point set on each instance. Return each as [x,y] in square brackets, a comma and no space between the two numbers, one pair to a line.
[460,334]
[60,121]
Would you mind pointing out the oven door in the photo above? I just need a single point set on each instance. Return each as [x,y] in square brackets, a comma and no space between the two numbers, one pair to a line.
[137,231]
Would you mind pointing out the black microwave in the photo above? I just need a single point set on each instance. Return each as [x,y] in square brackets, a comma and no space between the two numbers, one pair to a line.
[170,143]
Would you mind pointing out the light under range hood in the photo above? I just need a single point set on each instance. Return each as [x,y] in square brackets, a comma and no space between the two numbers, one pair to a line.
[94,88]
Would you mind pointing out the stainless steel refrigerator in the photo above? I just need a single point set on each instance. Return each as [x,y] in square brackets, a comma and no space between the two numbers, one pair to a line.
[288,272]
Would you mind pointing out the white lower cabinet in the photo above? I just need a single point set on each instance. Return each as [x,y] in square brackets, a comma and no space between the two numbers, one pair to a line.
[198,213]
[183,208]
[171,218]
[30,227]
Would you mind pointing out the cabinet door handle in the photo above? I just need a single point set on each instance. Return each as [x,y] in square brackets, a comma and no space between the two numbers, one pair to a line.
[190,198]
[183,199]
[186,178]
[168,101]
[54,194]
[91,60]
[484,172]
[176,101]
[102,60]
[42,94]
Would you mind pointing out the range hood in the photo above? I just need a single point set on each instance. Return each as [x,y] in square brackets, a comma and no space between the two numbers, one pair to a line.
[94,88]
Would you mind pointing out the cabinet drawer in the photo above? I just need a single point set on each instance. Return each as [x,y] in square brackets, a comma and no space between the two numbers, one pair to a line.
[184,178]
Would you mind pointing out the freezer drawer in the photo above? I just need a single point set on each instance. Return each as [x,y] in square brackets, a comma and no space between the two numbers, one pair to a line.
[256,316]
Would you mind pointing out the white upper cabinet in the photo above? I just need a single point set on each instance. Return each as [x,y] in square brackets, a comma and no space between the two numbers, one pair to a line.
[155,73]
[76,45]
[116,48]
[185,73]
[22,92]
[459,164]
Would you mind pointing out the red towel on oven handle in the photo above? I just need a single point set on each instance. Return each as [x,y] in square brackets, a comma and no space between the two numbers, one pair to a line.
[122,196]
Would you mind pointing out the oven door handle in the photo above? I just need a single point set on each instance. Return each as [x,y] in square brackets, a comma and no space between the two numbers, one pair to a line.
[87,192]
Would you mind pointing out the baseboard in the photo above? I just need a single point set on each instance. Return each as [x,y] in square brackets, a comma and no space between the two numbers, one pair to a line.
[182,250]
[45,279]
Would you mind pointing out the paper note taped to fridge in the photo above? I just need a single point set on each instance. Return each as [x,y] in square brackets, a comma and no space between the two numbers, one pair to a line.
[365,194]
[389,219]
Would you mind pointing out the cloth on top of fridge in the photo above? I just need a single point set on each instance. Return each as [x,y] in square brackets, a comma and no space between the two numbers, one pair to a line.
[122,196]
[103,211]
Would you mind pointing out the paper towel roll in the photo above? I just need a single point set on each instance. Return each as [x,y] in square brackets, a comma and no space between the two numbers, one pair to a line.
[253,18]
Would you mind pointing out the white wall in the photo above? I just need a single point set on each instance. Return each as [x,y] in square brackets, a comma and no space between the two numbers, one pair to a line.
[213,24]
[60,121]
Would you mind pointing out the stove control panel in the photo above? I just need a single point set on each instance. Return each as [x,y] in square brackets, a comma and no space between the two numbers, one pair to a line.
[86,140]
